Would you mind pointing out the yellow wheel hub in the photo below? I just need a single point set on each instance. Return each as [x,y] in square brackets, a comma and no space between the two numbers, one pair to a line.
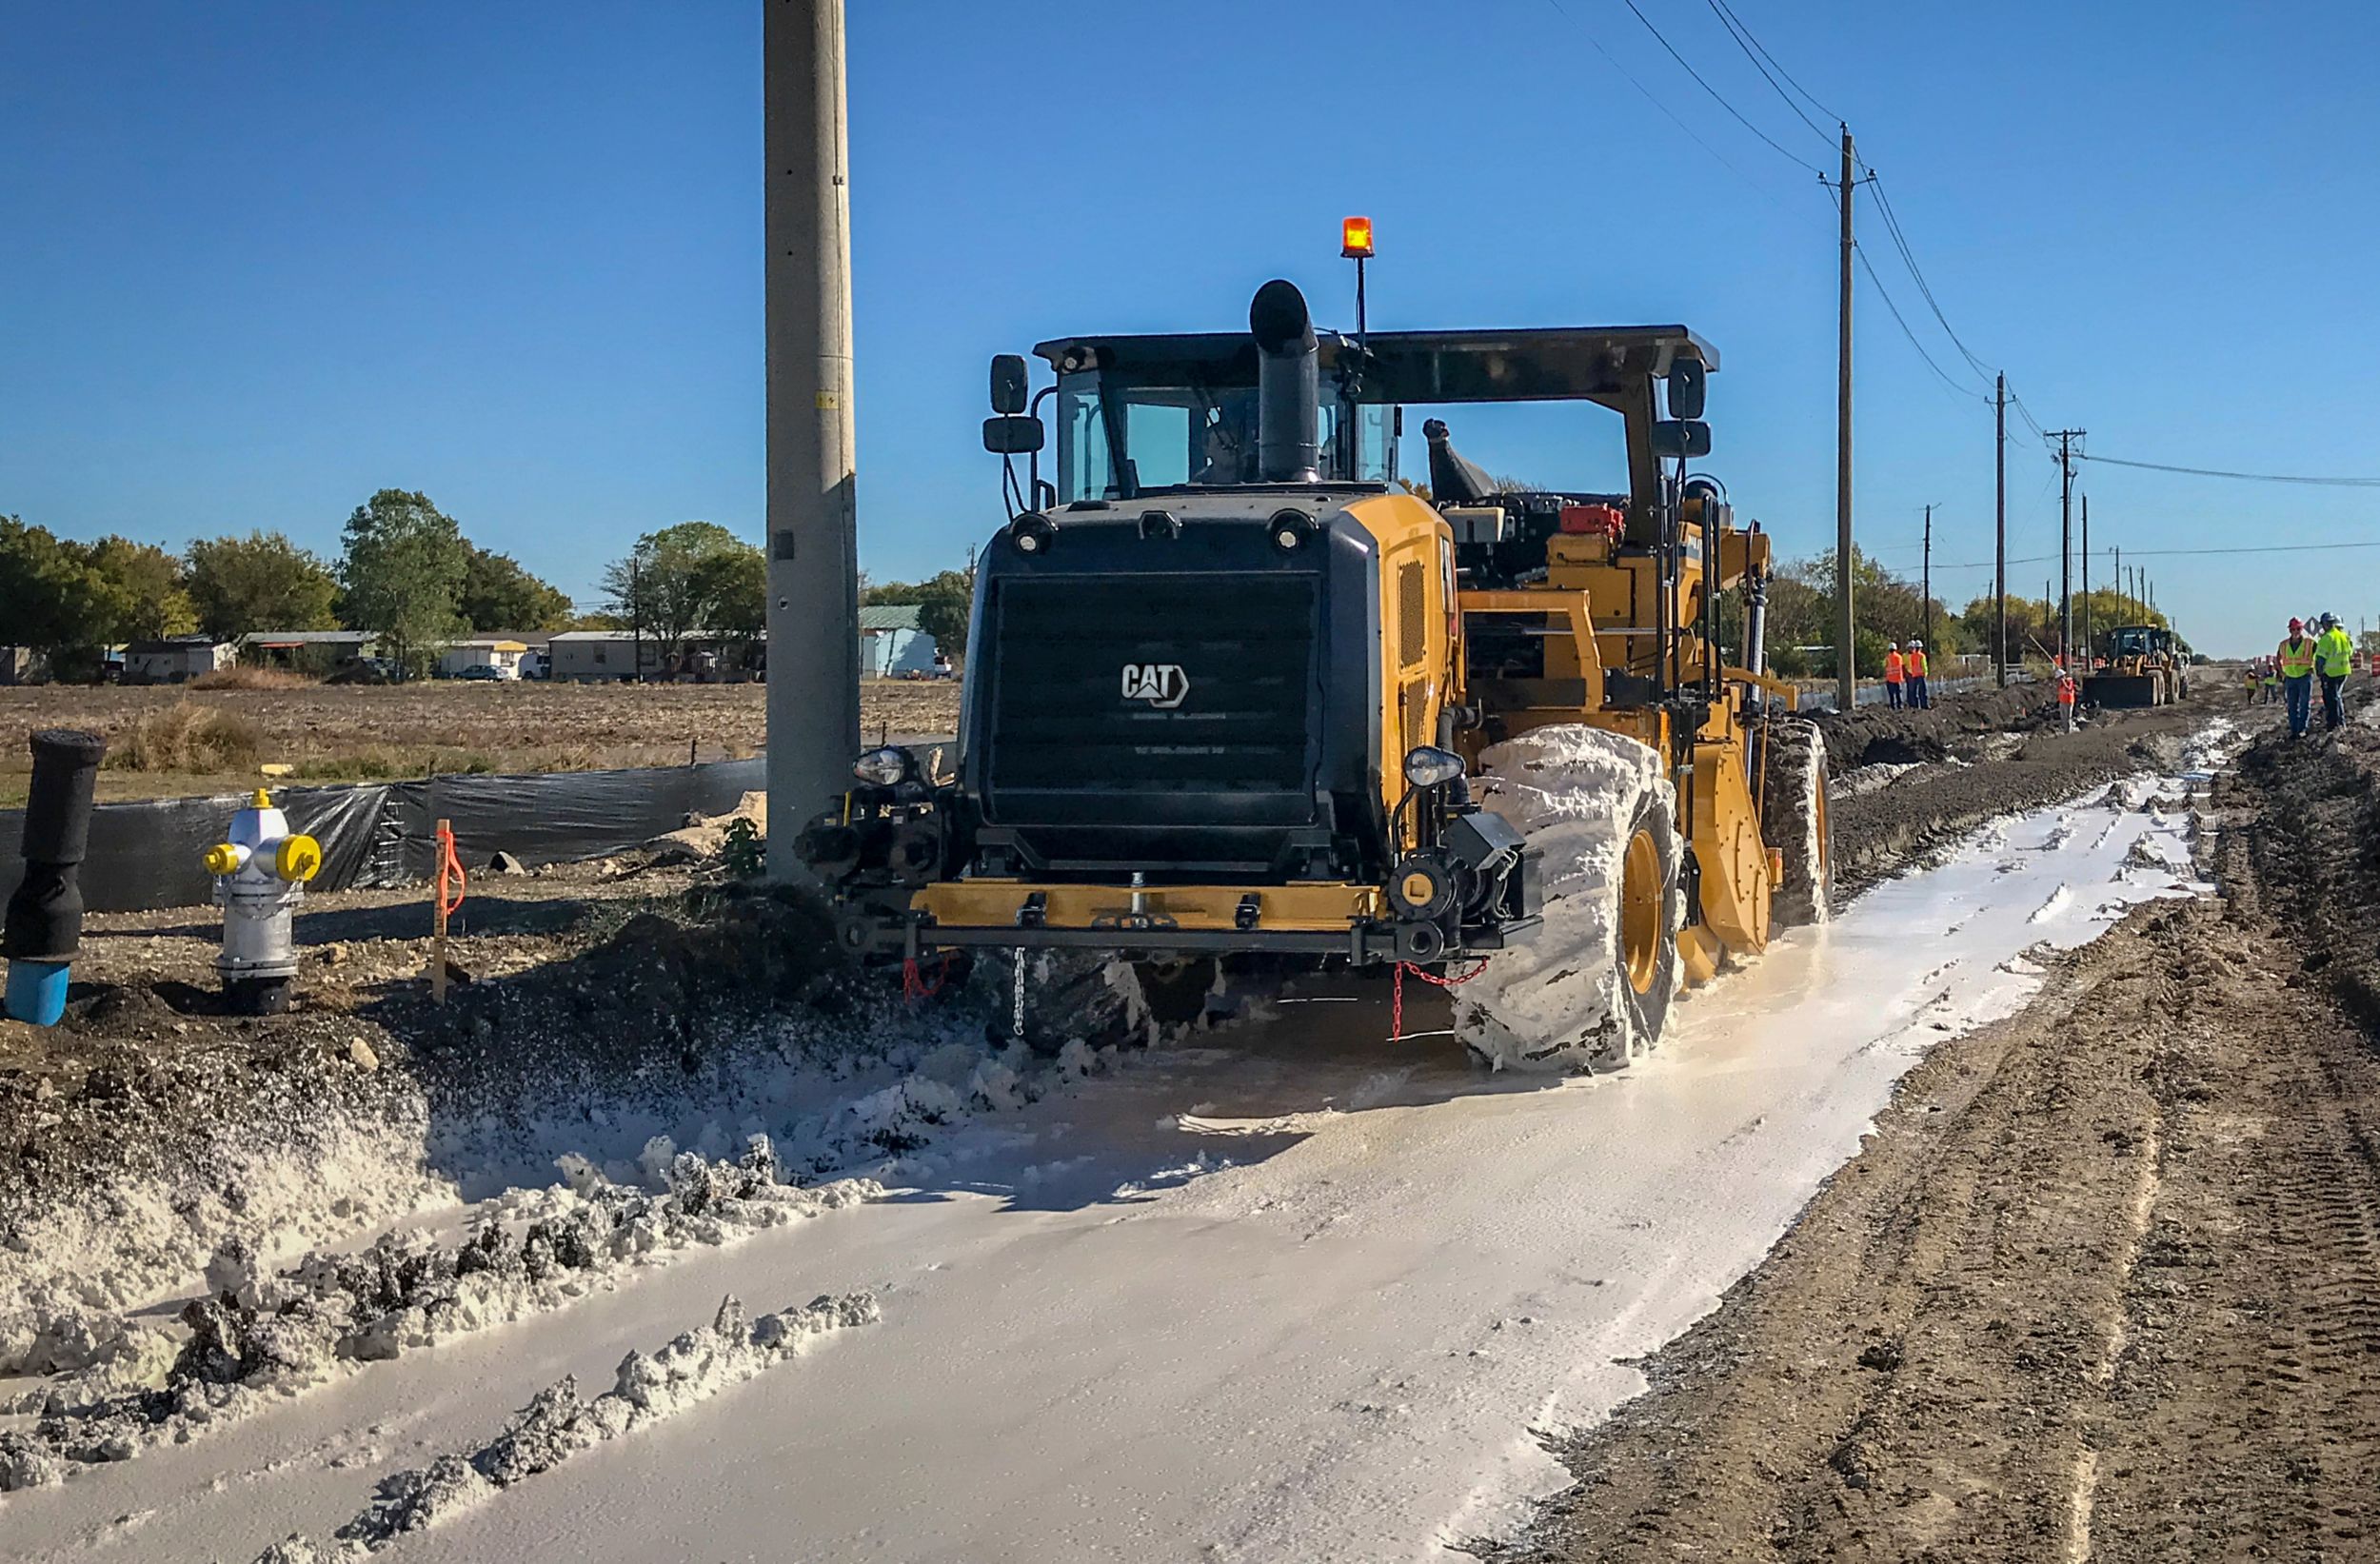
[1640,912]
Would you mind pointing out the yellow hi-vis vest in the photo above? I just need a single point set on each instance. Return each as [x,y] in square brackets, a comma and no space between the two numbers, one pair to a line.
[2297,658]
[2337,651]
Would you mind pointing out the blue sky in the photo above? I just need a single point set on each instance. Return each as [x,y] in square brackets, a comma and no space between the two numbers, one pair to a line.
[260,260]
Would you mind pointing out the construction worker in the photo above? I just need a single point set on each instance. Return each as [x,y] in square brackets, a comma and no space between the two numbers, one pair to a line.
[2255,679]
[2271,680]
[1894,667]
[2296,660]
[1916,669]
[2334,653]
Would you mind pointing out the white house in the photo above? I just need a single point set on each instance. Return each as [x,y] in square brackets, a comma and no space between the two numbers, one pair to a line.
[176,659]
[891,644]
[590,656]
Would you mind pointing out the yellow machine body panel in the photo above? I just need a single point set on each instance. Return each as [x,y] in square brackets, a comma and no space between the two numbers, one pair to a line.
[1418,665]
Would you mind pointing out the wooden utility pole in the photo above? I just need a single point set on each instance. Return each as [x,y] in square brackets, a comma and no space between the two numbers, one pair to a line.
[1926,577]
[2000,523]
[2086,580]
[1846,686]
[2066,439]
[2125,609]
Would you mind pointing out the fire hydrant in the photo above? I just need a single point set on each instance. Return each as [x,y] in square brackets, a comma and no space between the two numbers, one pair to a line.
[260,877]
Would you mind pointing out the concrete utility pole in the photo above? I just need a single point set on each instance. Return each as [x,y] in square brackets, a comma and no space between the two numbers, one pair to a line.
[813,533]
[1846,674]
[2066,439]
[2124,610]
[1999,523]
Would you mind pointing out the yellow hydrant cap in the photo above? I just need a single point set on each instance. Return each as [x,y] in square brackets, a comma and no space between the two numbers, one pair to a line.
[261,800]
[223,859]
[299,857]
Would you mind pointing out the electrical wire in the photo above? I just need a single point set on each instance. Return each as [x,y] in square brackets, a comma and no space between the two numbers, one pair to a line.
[1902,321]
[1823,108]
[2246,476]
[1715,95]
[1630,78]
[1909,259]
[1735,30]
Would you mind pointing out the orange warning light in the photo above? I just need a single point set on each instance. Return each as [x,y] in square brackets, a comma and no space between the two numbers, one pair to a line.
[1355,238]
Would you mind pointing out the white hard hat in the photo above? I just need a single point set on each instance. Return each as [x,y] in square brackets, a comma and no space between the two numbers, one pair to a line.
[1918,644]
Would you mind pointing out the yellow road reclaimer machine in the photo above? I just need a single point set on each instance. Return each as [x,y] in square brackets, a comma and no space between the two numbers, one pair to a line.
[1236,698]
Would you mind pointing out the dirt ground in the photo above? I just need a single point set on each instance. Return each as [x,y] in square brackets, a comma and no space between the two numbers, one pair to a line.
[2106,1282]
[333,733]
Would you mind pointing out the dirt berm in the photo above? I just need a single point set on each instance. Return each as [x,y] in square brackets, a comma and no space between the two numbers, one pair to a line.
[2105,1284]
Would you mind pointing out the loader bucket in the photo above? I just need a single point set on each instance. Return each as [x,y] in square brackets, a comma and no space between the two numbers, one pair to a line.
[2122,689]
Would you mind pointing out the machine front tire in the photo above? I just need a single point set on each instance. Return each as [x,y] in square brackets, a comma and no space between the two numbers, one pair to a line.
[1794,820]
[1589,987]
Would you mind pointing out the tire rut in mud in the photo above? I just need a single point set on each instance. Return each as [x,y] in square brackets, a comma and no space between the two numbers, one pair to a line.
[2105,1285]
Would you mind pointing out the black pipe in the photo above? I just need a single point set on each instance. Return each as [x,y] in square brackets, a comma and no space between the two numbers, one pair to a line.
[44,926]
[1288,384]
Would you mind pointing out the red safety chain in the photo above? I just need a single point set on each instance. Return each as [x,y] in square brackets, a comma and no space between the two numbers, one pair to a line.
[913,984]
[1397,992]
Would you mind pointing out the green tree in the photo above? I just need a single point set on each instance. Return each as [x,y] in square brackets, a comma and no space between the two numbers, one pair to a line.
[943,603]
[401,576]
[139,592]
[499,594]
[735,584]
[671,582]
[260,581]
[55,602]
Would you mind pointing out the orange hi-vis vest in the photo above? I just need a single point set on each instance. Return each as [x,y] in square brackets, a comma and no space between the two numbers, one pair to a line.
[1892,668]
[1917,664]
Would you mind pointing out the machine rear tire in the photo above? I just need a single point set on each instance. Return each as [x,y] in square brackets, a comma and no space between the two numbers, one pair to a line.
[1794,820]
[1590,988]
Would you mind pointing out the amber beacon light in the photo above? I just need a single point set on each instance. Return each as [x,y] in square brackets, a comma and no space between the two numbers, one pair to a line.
[1355,238]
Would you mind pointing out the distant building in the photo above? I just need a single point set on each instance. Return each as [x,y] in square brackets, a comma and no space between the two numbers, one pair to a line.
[315,651]
[592,656]
[176,659]
[497,652]
[890,643]
[22,665]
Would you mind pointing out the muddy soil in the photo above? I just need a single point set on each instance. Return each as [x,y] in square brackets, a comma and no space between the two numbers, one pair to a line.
[1973,758]
[2106,1282]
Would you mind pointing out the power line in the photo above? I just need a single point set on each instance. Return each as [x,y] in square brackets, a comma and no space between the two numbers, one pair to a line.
[1715,95]
[1650,97]
[2248,477]
[1909,259]
[1942,375]
[1736,31]
[1823,108]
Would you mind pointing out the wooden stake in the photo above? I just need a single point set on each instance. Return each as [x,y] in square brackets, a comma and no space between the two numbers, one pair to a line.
[438,922]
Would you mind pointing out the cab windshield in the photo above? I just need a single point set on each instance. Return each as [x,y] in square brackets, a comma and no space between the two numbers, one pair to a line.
[1116,441]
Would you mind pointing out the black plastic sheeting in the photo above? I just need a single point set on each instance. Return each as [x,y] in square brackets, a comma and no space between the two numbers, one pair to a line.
[146,855]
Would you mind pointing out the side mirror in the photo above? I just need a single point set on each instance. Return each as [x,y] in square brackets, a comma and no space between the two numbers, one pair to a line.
[1009,388]
[1686,387]
[1687,439]
[1018,434]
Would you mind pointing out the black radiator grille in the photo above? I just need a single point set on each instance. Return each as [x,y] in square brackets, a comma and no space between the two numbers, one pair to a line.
[1086,701]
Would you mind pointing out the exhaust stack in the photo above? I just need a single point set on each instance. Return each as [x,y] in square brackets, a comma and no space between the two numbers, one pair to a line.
[1288,384]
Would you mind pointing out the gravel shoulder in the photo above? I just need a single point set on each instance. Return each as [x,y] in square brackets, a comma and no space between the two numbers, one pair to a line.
[2102,1285]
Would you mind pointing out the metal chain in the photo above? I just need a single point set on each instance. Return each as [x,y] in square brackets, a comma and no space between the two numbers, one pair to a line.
[1016,1008]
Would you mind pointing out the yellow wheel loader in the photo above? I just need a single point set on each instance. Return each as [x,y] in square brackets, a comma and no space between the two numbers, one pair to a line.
[2142,669]
[1237,696]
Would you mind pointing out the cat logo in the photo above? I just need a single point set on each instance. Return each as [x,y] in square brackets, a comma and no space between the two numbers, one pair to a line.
[1162,685]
